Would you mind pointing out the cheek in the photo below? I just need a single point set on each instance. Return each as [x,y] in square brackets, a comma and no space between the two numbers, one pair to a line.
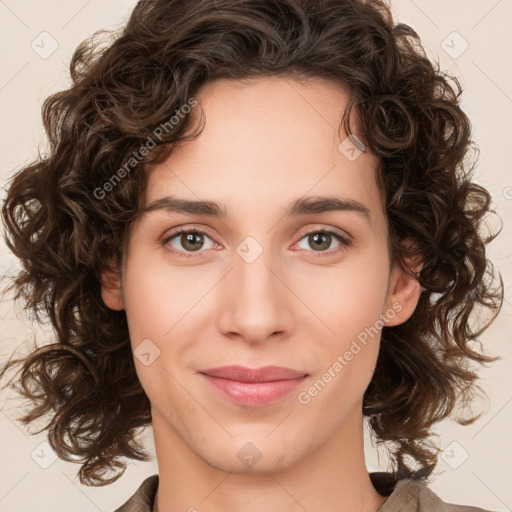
[349,301]
[145,301]
[159,296]
[348,298]
[347,354]
[158,302]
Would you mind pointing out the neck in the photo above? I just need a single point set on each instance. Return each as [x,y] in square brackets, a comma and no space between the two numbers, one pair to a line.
[332,477]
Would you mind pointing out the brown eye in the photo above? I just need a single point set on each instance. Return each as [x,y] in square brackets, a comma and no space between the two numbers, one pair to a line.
[188,241]
[191,241]
[321,240]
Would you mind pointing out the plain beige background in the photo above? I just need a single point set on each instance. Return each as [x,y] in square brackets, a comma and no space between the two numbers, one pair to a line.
[471,39]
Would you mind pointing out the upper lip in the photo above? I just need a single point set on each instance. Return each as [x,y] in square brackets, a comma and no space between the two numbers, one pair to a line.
[264,374]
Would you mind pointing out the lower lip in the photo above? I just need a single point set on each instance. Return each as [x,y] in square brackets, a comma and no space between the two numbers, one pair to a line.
[254,393]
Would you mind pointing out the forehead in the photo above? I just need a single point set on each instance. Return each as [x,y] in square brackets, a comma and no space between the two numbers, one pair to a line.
[268,141]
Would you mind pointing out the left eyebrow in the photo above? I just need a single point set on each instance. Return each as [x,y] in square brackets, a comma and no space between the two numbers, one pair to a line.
[319,204]
[303,206]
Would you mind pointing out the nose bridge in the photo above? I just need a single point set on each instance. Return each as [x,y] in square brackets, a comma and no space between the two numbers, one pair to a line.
[256,304]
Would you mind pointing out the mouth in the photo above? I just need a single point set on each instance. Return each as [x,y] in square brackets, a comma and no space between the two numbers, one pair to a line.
[253,387]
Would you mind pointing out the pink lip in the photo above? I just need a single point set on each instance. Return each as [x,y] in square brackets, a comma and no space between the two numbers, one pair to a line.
[254,387]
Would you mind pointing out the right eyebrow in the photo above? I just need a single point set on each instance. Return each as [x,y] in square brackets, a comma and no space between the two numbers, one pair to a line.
[186,206]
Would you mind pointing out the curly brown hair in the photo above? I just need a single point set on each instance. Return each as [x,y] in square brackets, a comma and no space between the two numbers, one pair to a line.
[168,50]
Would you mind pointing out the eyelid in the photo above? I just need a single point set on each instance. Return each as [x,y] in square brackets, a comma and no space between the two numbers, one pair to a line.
[343,238]
[185,230]
[326,229]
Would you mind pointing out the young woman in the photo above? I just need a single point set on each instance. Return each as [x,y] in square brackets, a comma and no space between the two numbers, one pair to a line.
[254,228]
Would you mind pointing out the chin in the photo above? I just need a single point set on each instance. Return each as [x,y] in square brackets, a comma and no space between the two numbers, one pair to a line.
[252,455]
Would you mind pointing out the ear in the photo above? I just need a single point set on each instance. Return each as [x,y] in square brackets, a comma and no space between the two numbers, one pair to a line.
[403,294]
[111,291]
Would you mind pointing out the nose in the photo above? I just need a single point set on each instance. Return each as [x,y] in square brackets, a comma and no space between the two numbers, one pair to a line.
[257,302]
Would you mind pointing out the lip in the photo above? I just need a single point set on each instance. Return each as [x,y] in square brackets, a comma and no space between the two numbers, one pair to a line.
[253,387]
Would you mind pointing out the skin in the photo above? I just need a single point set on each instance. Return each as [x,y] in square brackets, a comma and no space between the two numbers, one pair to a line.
[266,142]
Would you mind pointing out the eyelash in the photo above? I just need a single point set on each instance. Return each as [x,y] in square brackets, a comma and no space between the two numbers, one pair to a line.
[344,241]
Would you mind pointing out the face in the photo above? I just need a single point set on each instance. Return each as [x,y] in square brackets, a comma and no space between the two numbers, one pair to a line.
[264,284]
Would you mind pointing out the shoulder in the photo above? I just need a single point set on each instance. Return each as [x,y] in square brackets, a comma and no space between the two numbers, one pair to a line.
[403,496]
[414,496]
[142,499]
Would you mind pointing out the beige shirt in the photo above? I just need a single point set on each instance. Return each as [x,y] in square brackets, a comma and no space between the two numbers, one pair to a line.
[404,496]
